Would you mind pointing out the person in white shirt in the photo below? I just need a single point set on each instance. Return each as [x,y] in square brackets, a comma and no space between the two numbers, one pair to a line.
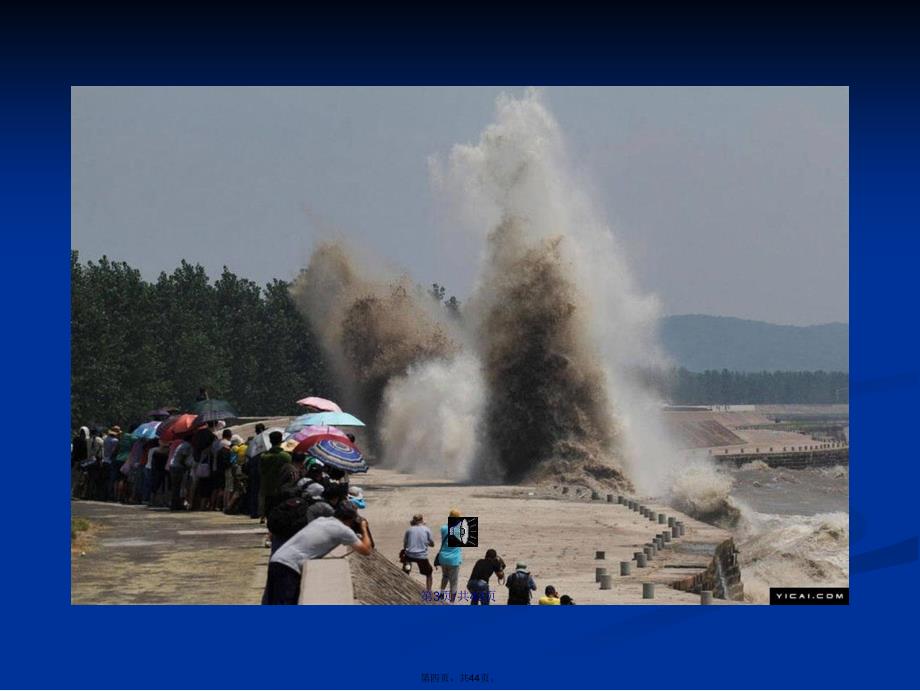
[178,464]
[416,542]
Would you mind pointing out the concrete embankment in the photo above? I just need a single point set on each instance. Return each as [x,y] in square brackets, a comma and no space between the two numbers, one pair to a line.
[808,456]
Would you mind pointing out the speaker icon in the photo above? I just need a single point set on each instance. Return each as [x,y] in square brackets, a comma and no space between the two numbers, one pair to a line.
[463,531]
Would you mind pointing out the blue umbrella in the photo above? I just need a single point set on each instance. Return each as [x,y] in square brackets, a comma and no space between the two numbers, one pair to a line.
[321,419]
[146,431]
[340,454]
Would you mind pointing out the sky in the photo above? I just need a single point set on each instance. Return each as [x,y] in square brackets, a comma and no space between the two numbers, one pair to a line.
[729,201]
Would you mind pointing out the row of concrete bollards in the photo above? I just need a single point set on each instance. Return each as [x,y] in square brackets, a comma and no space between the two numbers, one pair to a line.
[660,541]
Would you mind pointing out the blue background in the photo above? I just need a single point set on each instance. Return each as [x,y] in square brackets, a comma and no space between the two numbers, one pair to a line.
[871,643]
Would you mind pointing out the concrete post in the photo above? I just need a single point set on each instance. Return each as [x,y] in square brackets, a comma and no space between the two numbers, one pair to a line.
[598,572]
[606,582]
[609,498]
[599,554]
[649,551]
[671,521]
[705,597]
[636,555]
[624,568]
[662,518]
[680,527]
[652,516]
[666,537]
[652,549]
[648,591]
[621,499]
[641,559]
[675,531]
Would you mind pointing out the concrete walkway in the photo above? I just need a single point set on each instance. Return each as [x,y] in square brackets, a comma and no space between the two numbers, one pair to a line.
[140,555]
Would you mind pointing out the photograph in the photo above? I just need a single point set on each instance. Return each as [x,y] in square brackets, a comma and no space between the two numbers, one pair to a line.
[459,345]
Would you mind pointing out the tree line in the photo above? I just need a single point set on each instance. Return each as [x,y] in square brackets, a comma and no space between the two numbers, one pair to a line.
[724,387]
[138,345]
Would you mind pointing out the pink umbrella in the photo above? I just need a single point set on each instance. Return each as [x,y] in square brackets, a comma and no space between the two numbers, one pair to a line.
[308,436]
[318,430]
[320,404]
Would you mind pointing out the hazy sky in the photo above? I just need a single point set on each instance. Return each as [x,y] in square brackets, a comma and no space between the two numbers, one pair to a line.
[728,201]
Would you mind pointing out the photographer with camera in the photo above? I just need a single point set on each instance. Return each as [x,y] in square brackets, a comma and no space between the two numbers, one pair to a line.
[483,569]
[315,541]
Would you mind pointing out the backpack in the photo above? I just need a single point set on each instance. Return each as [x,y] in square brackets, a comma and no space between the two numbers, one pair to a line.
[288,518]
[518,587]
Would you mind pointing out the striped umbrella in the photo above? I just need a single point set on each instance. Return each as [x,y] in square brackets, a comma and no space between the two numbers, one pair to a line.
[340,454]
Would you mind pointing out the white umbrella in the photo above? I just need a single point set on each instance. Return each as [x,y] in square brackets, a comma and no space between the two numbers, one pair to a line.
[261,443]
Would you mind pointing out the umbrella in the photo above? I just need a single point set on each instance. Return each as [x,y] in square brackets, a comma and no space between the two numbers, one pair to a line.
[173,428]
[125,442]
[213,409]
[261,443]
[159,414]
[305,433]
[321,404]
[322,419]
[147,431]
[308,436]
[340,454]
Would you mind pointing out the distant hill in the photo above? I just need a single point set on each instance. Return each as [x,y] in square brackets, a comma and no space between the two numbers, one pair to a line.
[700,342]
